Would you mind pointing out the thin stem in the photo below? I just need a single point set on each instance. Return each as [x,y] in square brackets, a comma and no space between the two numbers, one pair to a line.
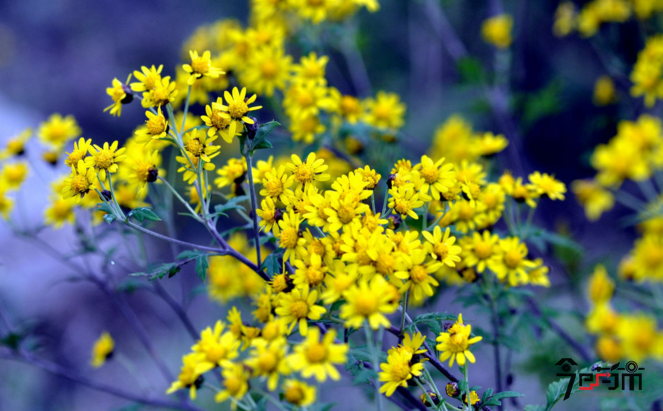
[373,201]
[110,185]
[270,399]
[430,400]
[376,362]
[179,197]
[322,233]
[648,190]
[175,241]
[186,109]
[131,369]
[528,223]
[467,388]
[496,346]
[404,310]
[254,205]
[424,218]
[384,203]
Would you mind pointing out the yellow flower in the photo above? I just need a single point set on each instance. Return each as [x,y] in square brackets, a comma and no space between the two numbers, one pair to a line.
[105,158]
[58,130]
[267,69]
[648,258]
[546,184]
[217,121]
[6,203]
[163,92]
[269,216]
[79,152]
[478,249]
[298,393]
[604,91]
[81,181]
[565,19]
[298,306]
[316,357]
[306,128]
[237,109]
[441,246]
[455,343]
[310,271]
[120,94]
[102,350]
[13,175]
[438,178]
[639,337]
[418,275]
[276,185]
[193,367]
[148,78]
[600,286]
[511,261]
[315,11]
[595,199]
[411,343]
[306,100]
[289,238]
[340,278]
[403,200]
[59,212]
[385,111]
[156,127]
[201,66]
[490,144]
[191,174]
[235,383]
[219,349]
[497,30]
[368,301]
[310,69]
[397,371]
[144,169]
[474,398]
[268,359]
[308,171]
[16,145]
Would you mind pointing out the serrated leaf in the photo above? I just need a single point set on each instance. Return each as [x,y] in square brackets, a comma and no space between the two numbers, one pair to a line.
[108,218]
[104,207]
[272,264]
[260,140]
[432,321]
[364,376]
[201,259]
[169,269]
[232,204]
[143,213]
[505,394]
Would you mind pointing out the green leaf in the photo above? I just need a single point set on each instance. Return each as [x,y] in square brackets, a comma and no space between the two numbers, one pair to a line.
[471,70]
[143,213]
[271,263]
[12,340]
[432,321]
[168,269]
[201,259]
[260,140]
[108,218]
[532,407]
[326,407]
[232,204]
[542,103]
[129,286]
[557,389]
[364,376]
[504,394]
[104,207]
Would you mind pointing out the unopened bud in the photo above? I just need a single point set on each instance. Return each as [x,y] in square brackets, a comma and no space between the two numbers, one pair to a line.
[390,180]
[251,129]
[106,195]
[395,221]
[152,174]
[452,389]
[432,396]
[128,94]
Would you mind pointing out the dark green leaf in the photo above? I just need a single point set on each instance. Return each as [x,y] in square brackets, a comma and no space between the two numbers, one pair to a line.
[130,285]
[169,269]
[201,259]
[232,204]
[260,140]
[104,207]
[143,213]
[12,340]
[108,218]
[364,376]
[272,264]
[471,70]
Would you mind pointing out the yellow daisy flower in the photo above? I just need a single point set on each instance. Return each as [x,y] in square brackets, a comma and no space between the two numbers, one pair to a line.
[454,343]
[316,357]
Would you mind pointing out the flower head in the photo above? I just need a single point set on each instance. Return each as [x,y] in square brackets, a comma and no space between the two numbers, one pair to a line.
[201,66]
[102,350]
[397,371]
[455,343]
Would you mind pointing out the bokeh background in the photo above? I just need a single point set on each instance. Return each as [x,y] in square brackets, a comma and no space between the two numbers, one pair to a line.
[60,55]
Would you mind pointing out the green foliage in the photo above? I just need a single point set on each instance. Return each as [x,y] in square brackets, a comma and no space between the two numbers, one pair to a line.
[471,71]
[432,320]
[129,286]
[260,141]
[495,400]
[232,204]
[168,269]
[12,340]
[201,259]
[143,213]
[542,103]
[271,263]
[557,390]
[109,216]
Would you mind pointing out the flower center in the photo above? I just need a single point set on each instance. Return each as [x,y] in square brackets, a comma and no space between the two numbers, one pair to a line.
[267,361]
[75,156]
[402,206]
[483,249]
[490,200]
[201,65]
[363,258]
[156,125]
[430,174]
[314,276]
[216,352]
[653,256]
[195,147]
[385,264]
[366,304]
[238,109]
[418,274]
[400,371]
[305,98]
[274,187]
[233,385]
[441,250]
[382,112]
[317,247]
[80,185]
[104,159]
[316,353]
[61,209]
[512,258]
[304,173]
[299,309]
[294,395]
[349,105]
[219,121]
[346,214]
[143,171]
[269,69]
[465,211]
[289,237]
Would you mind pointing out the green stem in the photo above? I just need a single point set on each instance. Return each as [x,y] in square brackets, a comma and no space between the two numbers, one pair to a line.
[254,205]
[424,218]
[373,201]
[384,203]
[528,223]
[404,311]
[186,204]
[186,110]
[376,361]
[322,233]
[270,399]
[110,185]
[467,388]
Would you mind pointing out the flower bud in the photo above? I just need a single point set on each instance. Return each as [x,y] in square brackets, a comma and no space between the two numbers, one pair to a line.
[152,174]
[432,396]
[395,221]
[251,129]
[278,214]
[128,94]
[390,180]
[452,389]
[199,382]
[106,195]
